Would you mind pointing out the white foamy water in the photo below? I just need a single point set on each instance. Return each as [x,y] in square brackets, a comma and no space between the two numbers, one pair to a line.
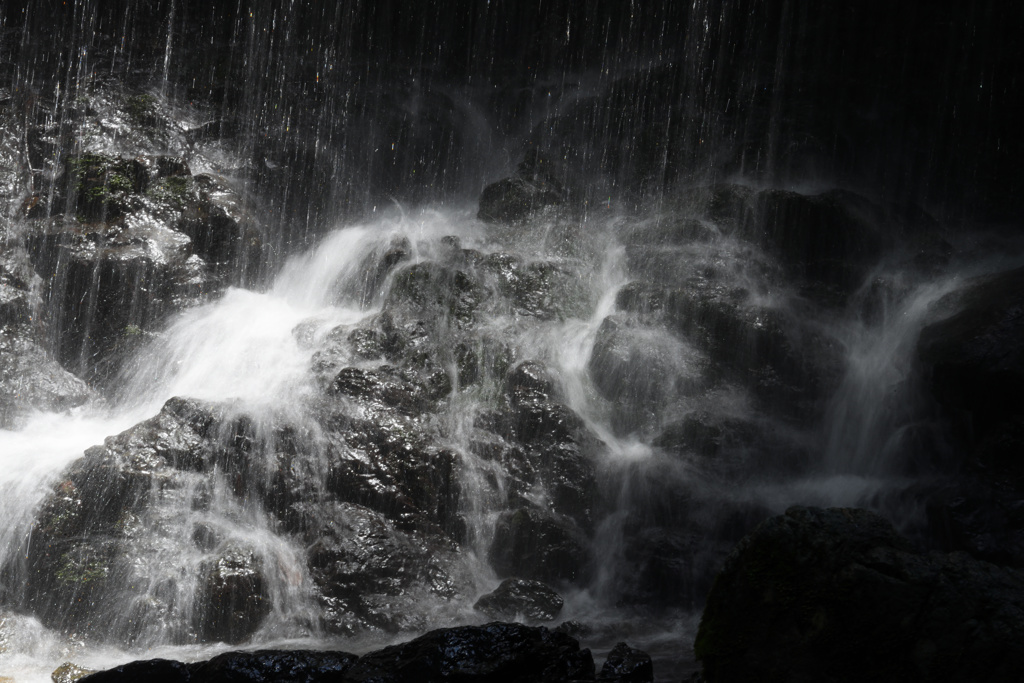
[253,350]
[249,348]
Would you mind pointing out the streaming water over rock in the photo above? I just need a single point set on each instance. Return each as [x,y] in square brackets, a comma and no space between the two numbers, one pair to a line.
[326,327]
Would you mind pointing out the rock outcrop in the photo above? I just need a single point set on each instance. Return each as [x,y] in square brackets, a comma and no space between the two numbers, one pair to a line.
[838,595]
[973,363]
[494,653]
[532,600]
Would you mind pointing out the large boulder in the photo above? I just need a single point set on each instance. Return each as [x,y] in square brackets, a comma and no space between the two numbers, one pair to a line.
[530,189]
[540,546]
[136,239]
[975,356]
[369,575]
[973,364]
[532,600]
[509,653]
[642,370]
[122,230]
[83,552]
[787,366]
[299,666]
[838,595]
[626,664]
[493,653]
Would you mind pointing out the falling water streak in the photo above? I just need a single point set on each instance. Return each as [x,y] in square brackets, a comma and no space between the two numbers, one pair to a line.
[168,50]
[870,408]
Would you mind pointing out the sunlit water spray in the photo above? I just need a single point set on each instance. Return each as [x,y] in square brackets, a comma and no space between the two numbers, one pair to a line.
[252,351]
[244,350]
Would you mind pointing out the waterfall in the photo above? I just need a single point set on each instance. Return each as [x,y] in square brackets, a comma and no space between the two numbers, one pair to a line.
[319,322]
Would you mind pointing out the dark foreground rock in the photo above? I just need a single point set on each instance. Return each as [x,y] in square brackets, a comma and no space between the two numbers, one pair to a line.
[496,653]
[973,363]
[975,360]
[838,595]
[532,599]
[625,663]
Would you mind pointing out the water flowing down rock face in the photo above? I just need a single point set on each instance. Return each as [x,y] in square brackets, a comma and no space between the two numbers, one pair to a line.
[808,594]
[337,325]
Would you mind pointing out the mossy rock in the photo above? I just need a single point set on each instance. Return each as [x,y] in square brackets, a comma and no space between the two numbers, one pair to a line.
[102,185]
[177,191]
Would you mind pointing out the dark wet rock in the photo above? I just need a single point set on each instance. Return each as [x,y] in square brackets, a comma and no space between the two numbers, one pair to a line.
[30,379]
[725,204]
[786,366]
[668,567]
[669,228]
[535,419]
[698,433]
[974,366]
[543,442]
[367,344]
[976,355]
[109,284]
[825,242]
[545,422]
[295,666]
[529,381]
[542,289]
[627,665]
[553,458]
[734,444]
[574,628]
[532,188]
[381,525]
[493,653]
[387,465]
[102,186]
[80,551]
[369,574]
[205,537]
[509,653]
[409,390]
[375,269]
[532,600]
[641,370]
[828,239]
[438,294]
[131,236]
[532,544]
[151,670]
[971,514]
[807,594]
[388,386]
[19,296]
[233,598]
[222,229]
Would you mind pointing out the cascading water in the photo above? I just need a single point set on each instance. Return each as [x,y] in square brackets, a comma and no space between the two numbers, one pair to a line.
[319,414]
